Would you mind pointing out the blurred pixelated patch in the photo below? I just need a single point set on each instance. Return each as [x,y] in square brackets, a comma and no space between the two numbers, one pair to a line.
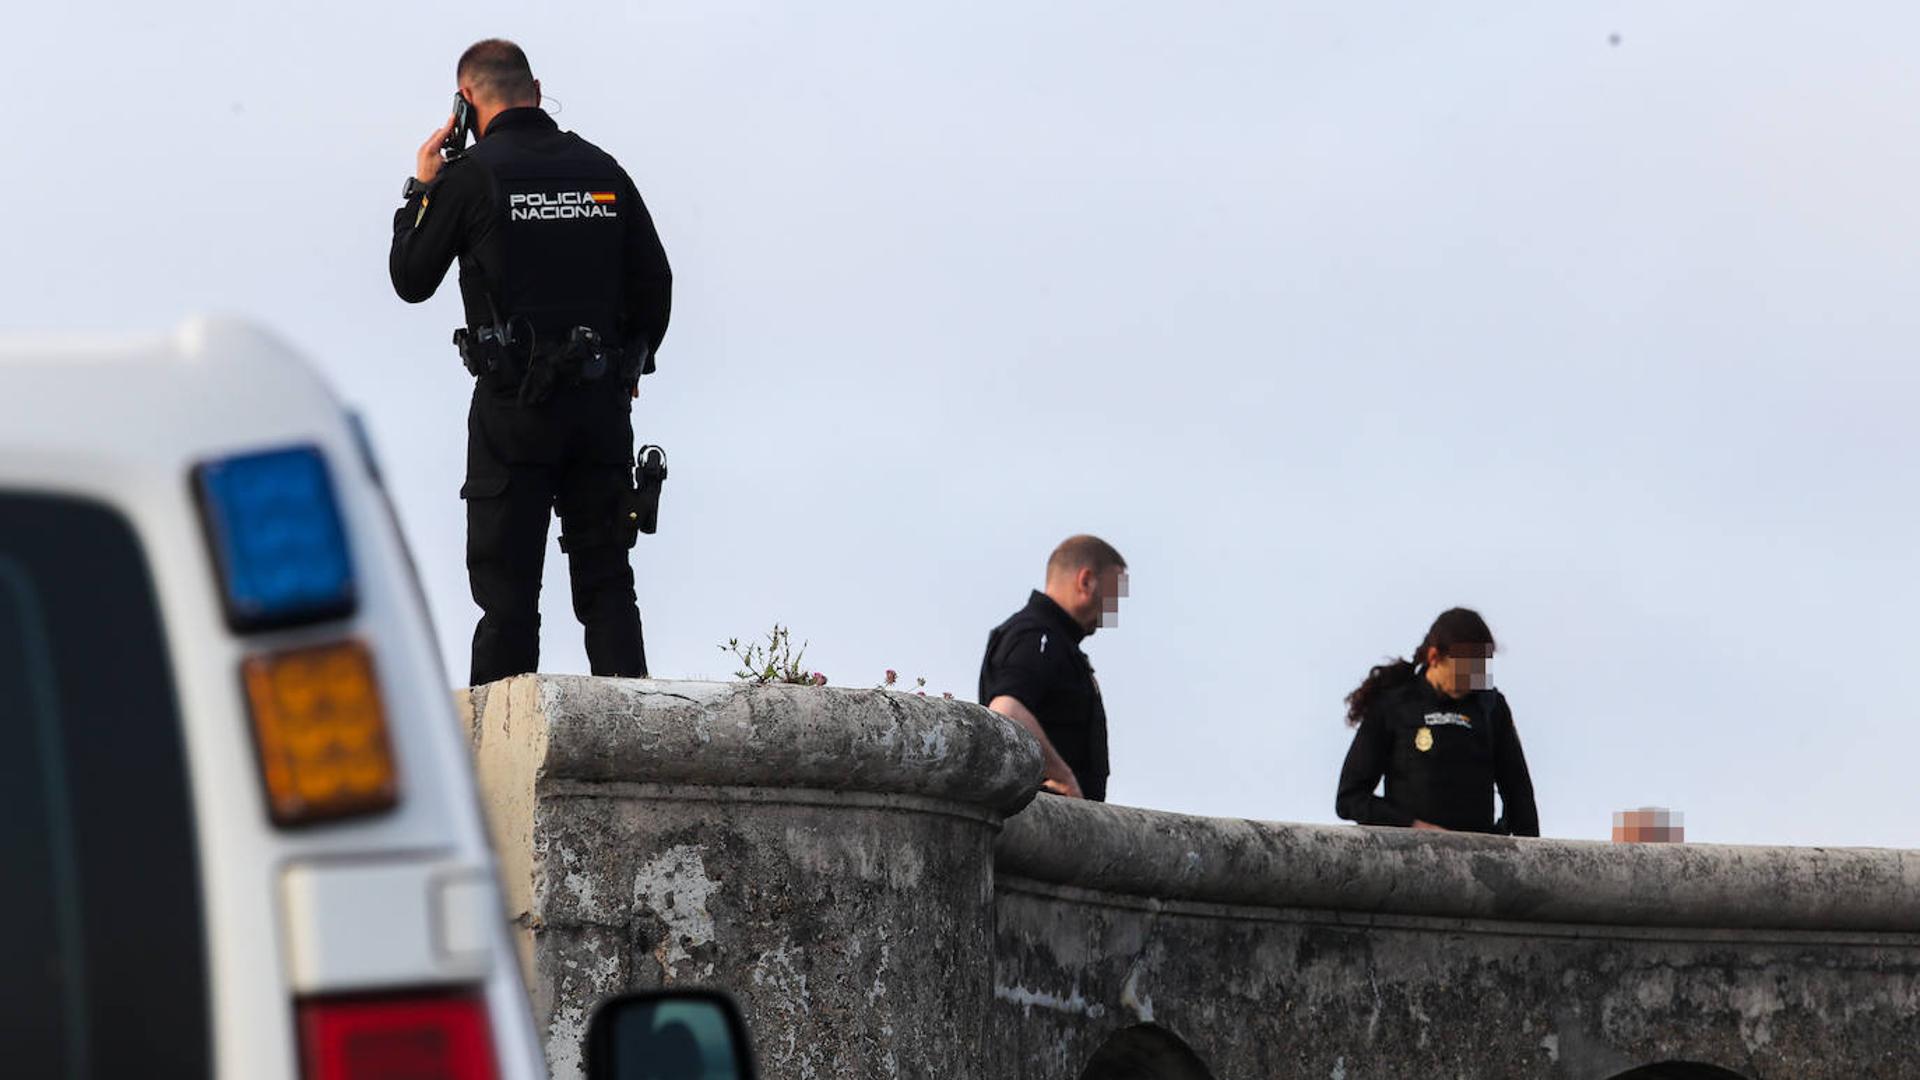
[1649,825]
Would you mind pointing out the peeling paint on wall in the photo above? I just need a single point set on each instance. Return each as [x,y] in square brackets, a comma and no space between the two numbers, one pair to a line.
[1073,1004]
[1130,996]
[674,886]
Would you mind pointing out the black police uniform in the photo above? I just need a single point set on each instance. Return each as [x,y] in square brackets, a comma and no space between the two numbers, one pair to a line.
[1442,758]
[1035,658]
[551,235]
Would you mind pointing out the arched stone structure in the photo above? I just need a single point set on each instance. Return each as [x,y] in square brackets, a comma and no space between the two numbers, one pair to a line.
[831,857]
[1145,1052]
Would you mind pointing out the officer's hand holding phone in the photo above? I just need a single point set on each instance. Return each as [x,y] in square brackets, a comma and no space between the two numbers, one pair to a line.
[446,143]
[426,163]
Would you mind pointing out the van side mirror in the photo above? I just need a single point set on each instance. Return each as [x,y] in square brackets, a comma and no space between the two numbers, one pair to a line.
[668,1035]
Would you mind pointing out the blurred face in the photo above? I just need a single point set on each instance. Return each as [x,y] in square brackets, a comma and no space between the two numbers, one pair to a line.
[1460,673]
[1091,596]
[1111,586]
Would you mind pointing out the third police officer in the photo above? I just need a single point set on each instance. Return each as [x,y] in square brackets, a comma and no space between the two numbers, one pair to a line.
[566,290]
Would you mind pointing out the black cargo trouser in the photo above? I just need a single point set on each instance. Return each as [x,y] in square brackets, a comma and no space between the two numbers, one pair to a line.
[572,455]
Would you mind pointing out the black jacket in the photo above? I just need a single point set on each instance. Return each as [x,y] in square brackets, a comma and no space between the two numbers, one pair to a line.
[1442,758]
[1034,657]
[547,227]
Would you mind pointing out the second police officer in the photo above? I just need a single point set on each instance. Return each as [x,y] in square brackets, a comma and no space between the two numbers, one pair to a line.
[1035,673]
[1441,736]
[566,290]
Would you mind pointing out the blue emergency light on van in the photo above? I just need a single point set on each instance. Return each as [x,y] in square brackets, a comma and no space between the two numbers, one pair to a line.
[277,538]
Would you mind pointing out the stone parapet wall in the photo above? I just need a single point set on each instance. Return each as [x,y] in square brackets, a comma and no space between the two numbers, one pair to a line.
[825,855]
[1272,950]
[1119,849]
[845,863]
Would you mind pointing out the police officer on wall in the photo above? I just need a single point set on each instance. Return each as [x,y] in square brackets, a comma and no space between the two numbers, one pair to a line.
[1442,737]
[567,292]
[1035,674]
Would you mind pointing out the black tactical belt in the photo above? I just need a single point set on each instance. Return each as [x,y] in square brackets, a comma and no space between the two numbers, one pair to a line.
[582,358]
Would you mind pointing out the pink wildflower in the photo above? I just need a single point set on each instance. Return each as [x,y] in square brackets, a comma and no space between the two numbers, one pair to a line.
[819,679]
[892,676]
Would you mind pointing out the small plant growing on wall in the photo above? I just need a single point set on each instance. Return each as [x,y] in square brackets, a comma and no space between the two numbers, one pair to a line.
[777,661]
[891,681]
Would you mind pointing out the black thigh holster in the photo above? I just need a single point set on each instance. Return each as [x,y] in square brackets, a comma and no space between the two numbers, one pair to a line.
[649,475]
[638,509]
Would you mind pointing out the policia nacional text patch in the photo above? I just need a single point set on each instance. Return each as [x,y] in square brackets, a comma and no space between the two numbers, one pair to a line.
[561,205]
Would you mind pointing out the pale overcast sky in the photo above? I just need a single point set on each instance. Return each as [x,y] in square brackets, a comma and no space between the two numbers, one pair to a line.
[1595,317]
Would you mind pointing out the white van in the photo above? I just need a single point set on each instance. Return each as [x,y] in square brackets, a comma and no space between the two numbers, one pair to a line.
[239,829]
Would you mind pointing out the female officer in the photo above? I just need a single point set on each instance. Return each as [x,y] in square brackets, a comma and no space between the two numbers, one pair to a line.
[1441,736]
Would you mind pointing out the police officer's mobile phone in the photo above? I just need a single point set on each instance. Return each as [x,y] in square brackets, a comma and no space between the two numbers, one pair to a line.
[455,143]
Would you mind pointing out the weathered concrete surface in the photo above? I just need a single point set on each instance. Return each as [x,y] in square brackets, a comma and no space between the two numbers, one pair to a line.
[1401,871]
[1295,950]
[825,854]
[830,856]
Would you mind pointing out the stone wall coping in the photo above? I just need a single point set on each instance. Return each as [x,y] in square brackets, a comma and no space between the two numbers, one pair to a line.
[1149,853]
[773,736]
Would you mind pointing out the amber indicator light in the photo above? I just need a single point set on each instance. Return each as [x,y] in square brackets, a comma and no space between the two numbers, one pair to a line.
[321,733]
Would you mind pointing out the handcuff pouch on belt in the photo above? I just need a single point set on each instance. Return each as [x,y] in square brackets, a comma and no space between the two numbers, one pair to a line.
[587,357]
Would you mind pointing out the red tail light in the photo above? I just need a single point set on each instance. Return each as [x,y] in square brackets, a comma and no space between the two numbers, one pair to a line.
[426,1037]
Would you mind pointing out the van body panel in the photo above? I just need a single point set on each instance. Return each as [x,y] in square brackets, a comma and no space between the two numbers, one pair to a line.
[122,423]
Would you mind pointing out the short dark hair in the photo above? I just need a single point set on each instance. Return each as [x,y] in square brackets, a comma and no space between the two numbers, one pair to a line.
[498,70]
[1083,552]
